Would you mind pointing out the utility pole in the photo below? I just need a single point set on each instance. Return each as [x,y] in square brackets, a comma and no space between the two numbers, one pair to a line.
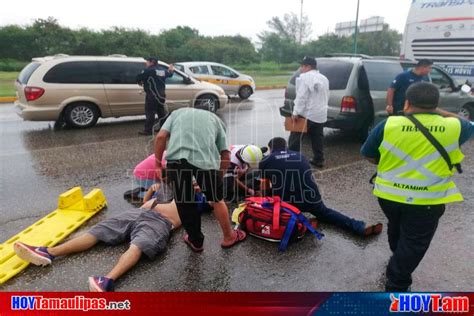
[356,31]
[301,23]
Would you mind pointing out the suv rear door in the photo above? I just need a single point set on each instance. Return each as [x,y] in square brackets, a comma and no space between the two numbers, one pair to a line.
[125,96]
[338,73]
[380,74]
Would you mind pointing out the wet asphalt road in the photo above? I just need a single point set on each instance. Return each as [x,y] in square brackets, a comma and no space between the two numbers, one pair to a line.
[38,163]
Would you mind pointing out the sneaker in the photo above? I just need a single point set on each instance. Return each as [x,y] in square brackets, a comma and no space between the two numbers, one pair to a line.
[133,194]
[101,284]
[36,255]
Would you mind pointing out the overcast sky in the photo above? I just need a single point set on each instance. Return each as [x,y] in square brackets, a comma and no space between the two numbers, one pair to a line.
[210,17]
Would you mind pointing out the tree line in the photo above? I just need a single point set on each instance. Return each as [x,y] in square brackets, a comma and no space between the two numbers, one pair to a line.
[284,42]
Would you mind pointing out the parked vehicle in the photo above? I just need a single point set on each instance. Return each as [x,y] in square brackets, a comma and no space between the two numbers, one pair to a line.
[358,91]
[81,89]
[233,82]
[442,31]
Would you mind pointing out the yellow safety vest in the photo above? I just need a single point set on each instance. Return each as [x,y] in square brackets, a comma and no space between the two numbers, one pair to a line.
[411,170]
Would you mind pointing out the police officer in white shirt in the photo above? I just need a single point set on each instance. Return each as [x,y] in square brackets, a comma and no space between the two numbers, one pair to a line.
[311,103]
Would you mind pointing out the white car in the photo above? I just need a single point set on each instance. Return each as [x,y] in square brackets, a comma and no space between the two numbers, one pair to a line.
[233,82]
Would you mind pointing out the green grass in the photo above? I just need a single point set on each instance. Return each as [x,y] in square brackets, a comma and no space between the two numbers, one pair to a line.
[7,83]
[264,80]
[268,73]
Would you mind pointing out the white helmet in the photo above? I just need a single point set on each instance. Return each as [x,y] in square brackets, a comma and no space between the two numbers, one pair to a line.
[252,155]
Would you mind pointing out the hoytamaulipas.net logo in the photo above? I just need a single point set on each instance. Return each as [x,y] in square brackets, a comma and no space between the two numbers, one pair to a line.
[75,303]
[435,303]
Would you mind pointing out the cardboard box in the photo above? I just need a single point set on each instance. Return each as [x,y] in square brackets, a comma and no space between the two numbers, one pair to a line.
[300,125]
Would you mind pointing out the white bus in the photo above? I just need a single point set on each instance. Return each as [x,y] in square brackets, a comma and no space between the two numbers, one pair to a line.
[443,31]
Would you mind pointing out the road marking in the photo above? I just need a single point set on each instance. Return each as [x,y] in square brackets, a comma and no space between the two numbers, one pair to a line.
[339,167]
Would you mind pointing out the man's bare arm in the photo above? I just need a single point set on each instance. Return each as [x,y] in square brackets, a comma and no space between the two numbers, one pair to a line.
[148,195]
[150,192]
[390,93]
[448,114]
[160,146]
[225,161]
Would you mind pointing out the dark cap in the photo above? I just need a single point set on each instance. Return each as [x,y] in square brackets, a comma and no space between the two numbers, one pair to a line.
[424,62]
[152,59]
[309,61]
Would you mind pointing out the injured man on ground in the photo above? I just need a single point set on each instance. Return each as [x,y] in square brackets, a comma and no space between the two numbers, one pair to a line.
[147,228]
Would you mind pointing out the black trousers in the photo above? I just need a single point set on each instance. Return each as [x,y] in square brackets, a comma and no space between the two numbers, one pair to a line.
[180,174]
[410,231]
[154,105]
[315,132]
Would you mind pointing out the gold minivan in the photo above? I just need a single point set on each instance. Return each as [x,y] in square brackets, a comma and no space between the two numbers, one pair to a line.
[80,89]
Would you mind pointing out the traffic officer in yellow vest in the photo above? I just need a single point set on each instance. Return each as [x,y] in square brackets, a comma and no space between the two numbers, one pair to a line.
[414,181]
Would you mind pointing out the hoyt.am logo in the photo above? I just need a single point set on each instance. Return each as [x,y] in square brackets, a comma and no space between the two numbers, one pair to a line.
[436,303]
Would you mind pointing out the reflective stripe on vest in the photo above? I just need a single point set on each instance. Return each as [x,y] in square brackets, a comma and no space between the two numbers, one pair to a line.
[411,170]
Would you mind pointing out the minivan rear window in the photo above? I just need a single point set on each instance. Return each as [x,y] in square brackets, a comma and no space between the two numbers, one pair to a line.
[74,72]
[381,74]
[337,72]
[26,73]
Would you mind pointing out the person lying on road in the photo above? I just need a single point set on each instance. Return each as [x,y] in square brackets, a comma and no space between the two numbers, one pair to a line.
[290,176]
[148,228]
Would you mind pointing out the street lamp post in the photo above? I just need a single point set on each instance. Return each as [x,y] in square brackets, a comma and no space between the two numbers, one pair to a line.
[301,23]
[356,31]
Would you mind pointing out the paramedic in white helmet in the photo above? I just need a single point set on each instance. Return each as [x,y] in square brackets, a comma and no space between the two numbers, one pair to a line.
[242,177]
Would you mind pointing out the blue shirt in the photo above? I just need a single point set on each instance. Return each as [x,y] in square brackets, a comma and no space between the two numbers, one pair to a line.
[371,146]
[292,179]
[400,84]
[153,79]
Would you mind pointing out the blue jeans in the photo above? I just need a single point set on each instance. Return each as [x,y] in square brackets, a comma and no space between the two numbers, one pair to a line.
[330,216]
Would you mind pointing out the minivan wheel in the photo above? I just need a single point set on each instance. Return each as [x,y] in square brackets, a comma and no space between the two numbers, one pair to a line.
[208,102]
[81,115]
[245,92]
[467,112]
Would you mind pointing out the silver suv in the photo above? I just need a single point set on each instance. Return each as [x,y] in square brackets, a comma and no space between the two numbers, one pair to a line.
[358,91]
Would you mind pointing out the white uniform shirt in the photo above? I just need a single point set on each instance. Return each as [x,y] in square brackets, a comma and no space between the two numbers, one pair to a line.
[236,165]
[233,156]
[312,96]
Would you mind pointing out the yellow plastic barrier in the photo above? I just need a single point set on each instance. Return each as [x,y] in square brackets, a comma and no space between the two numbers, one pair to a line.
[73,210]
